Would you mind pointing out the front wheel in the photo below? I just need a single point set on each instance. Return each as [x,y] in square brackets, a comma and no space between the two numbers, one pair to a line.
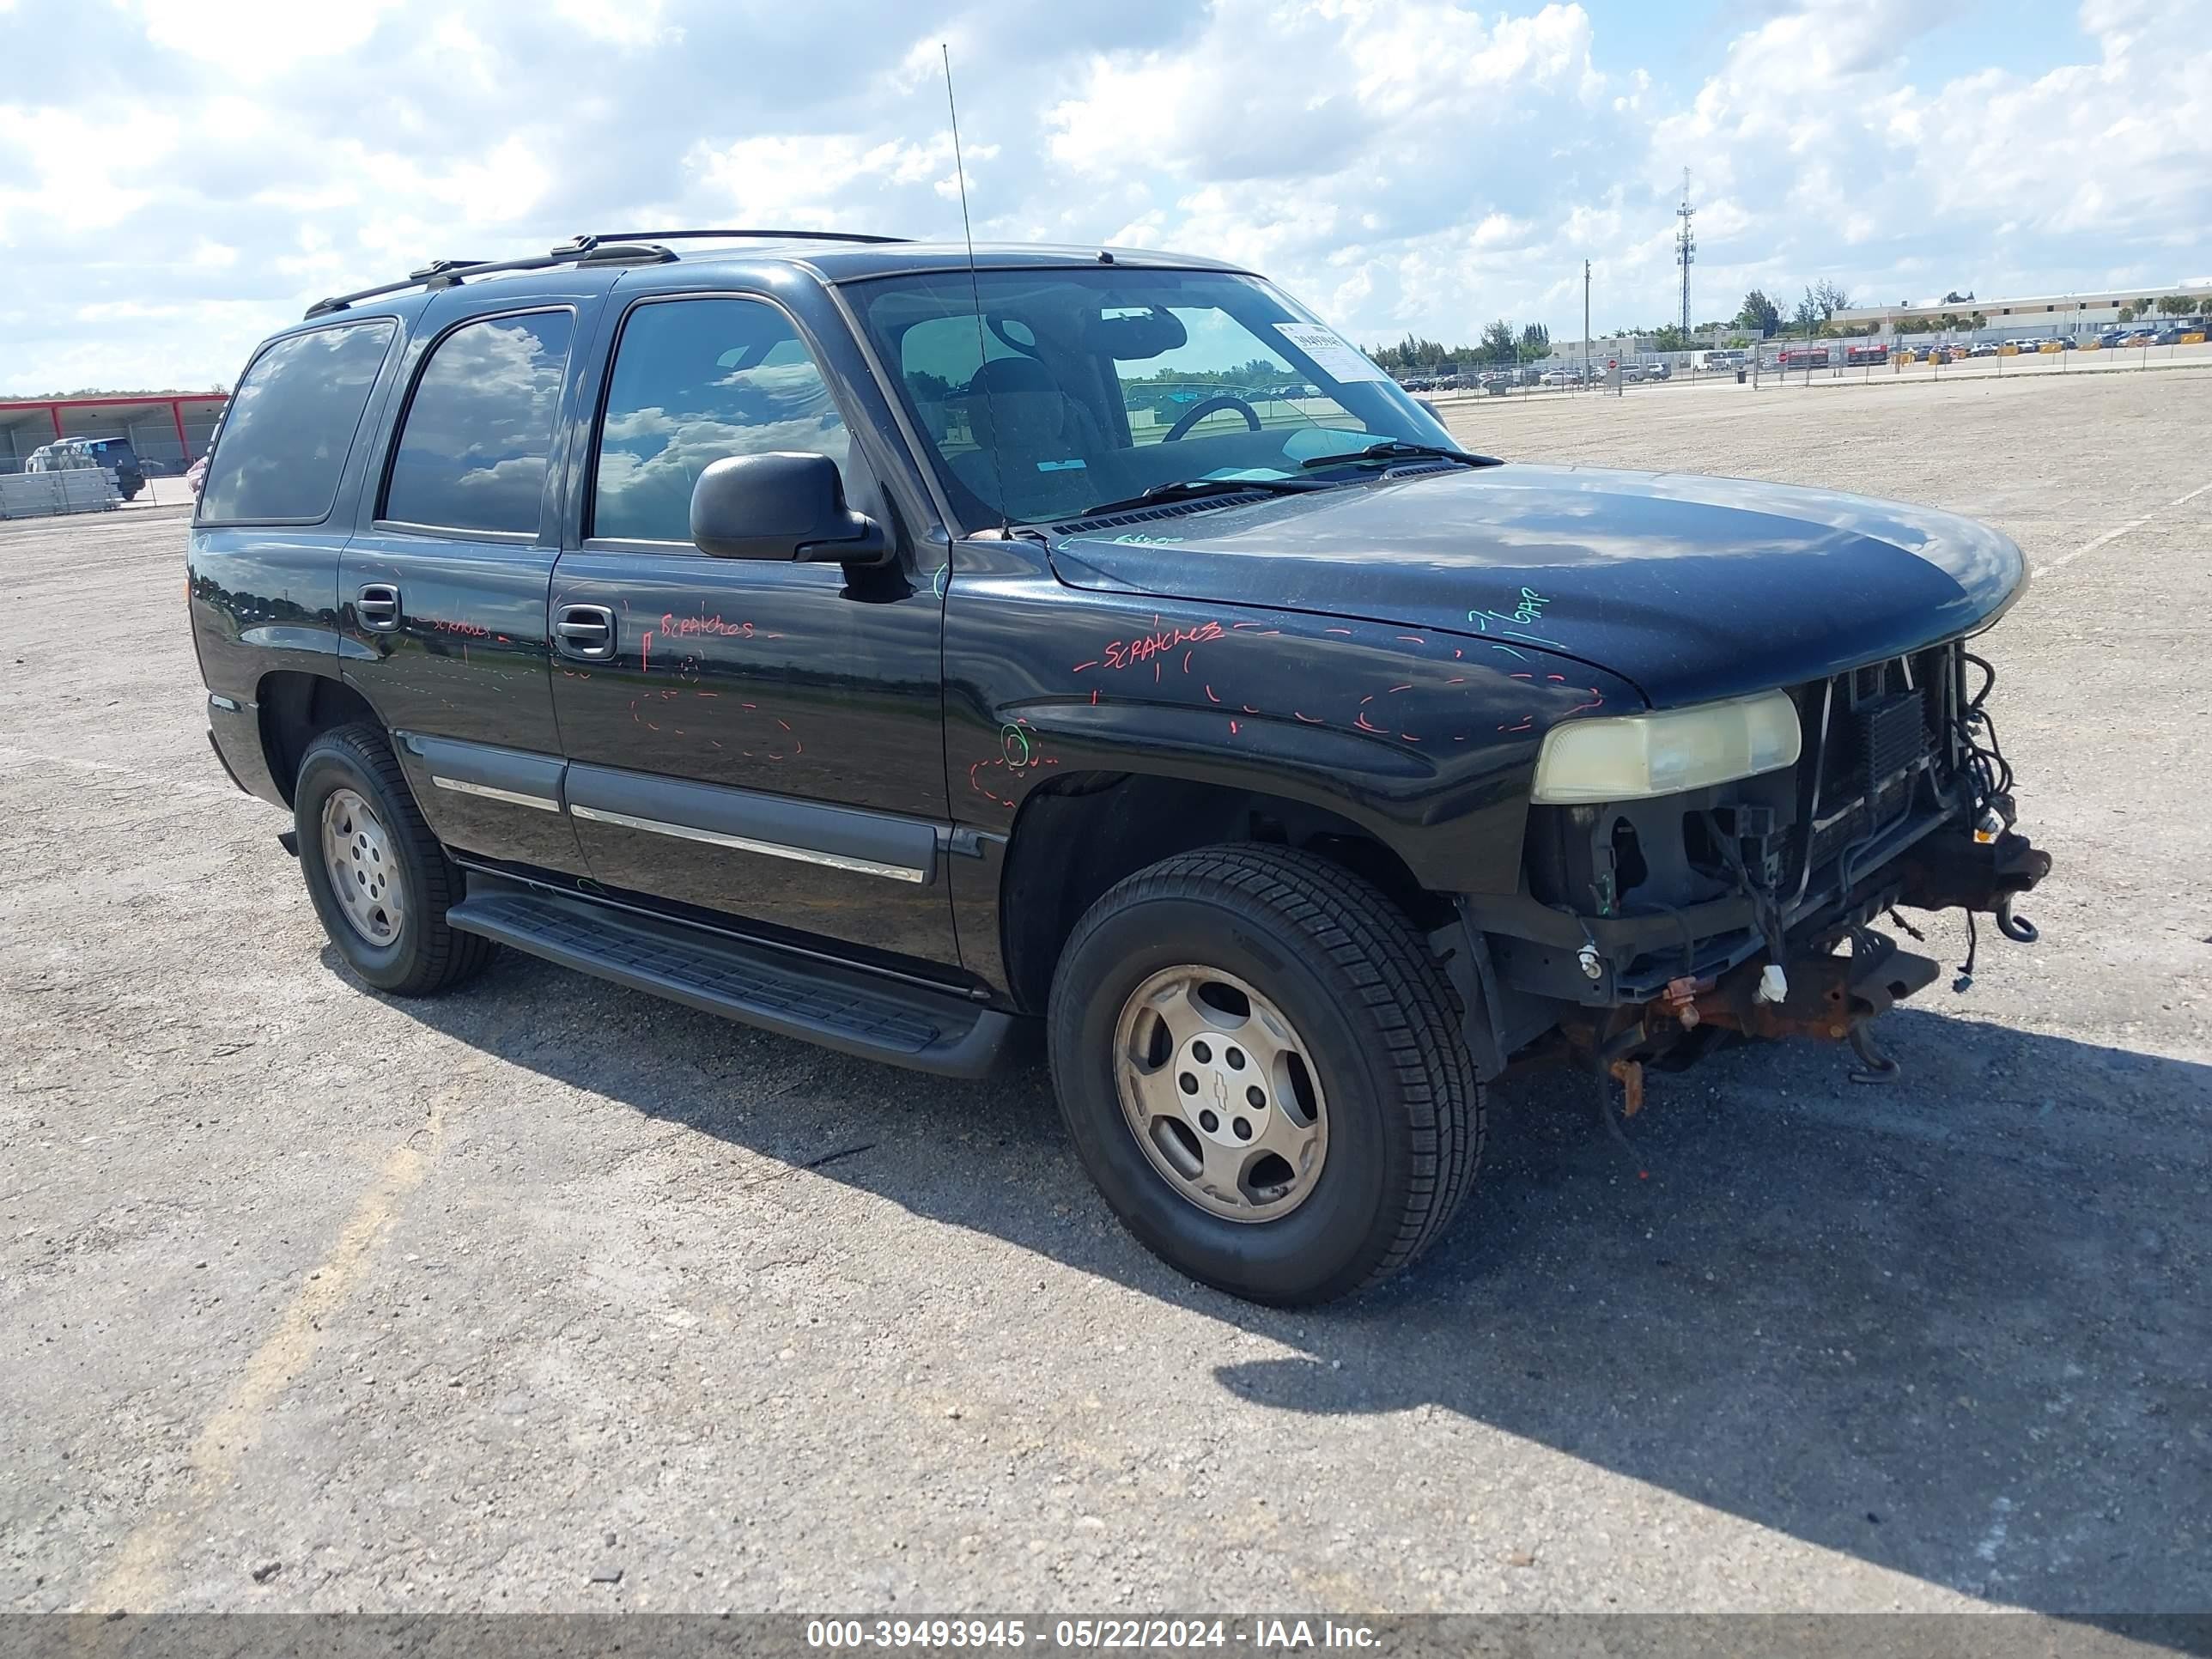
[1261,1067]
[378,878]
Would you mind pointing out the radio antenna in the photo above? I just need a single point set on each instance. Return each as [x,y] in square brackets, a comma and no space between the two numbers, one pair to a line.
[976,294]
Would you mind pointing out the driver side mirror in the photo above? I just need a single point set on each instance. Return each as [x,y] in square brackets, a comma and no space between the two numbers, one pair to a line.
[784,507]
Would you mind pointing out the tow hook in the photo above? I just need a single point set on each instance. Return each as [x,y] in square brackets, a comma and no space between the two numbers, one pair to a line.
[1879,1068]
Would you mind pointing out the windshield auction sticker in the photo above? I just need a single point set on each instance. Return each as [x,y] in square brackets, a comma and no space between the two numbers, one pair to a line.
[1329,352]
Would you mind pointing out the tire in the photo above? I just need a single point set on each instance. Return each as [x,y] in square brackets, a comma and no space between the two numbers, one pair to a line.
[412,951]
[1374,1027]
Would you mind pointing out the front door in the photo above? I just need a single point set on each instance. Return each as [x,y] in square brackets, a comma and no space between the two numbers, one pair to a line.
[755,738]
[443,592]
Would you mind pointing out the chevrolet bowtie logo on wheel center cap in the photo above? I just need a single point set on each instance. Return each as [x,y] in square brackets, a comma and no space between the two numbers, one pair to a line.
[1224,1096]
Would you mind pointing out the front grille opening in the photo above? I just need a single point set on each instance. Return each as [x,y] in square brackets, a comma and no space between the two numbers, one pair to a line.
[1886,738]
[1698,844]
[1629,870]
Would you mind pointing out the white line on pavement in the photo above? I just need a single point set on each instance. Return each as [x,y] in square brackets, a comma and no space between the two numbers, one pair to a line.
[2114,535]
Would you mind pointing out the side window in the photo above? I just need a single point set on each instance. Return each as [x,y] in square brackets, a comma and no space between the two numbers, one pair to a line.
[695,380]
[473,454]
[291,423]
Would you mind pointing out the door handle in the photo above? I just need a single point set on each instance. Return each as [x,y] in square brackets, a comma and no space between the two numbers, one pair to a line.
[585,631]
[378,606]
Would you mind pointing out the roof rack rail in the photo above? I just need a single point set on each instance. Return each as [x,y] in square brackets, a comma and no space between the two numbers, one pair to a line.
[450,273]
[731,235]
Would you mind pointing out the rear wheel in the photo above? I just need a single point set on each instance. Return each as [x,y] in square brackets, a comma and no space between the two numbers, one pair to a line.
[378,878]
[1261,1067]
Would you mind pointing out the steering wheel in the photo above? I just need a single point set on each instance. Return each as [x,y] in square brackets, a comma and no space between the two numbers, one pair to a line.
[1197,412]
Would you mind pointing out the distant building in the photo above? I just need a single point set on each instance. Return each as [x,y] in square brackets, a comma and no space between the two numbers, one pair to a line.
[2049,313]
[169,430]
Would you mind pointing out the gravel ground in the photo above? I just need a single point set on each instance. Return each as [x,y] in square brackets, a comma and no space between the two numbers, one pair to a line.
[548,1295]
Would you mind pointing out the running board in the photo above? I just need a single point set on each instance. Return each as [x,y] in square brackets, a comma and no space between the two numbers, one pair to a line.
[843,1008]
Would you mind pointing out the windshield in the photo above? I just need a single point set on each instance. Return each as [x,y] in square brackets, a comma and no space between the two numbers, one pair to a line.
[1076,388]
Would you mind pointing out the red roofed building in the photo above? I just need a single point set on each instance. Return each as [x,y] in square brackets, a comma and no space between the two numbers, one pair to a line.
[168,429]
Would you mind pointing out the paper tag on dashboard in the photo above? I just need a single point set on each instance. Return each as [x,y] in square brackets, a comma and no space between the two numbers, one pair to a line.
[1330,355]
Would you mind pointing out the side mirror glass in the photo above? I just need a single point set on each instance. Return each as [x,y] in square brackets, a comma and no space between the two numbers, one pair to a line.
[784,506]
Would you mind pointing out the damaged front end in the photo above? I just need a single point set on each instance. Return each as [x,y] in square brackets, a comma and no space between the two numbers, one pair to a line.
[1649,931]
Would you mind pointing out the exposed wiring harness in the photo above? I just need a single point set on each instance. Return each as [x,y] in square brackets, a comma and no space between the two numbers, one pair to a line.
[1985,762]
[1992,777]
[1766,913]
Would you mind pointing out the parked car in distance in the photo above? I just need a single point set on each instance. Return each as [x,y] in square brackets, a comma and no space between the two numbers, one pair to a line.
[112,455]
[1983,348]
[738,628]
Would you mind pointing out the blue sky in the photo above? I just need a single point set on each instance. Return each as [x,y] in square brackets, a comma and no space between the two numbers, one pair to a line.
[180,176]
[1681,44]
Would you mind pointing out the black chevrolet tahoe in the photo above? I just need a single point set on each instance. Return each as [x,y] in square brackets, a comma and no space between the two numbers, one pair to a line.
[885,643]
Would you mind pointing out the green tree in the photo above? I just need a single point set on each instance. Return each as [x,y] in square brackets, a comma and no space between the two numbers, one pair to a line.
[1760,313]
[1497,345]
[1535,343]
[1822,302]
[2176,305]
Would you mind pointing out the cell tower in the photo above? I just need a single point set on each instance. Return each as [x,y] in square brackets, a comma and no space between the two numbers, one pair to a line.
[1685,248]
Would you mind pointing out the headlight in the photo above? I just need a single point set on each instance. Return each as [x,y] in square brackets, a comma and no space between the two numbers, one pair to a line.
[1636,756]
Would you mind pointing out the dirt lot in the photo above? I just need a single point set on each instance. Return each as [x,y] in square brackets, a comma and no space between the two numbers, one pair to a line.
[319,1300]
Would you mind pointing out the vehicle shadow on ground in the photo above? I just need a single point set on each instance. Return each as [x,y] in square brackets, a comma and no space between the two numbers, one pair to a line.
[1955,1327]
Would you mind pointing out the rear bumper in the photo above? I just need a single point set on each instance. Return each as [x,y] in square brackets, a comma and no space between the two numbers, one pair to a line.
[235,733]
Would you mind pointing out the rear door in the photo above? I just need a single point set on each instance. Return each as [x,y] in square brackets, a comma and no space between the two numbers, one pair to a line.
[756,739]
[443,589]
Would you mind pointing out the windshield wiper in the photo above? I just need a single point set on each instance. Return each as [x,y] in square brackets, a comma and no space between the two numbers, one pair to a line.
[1397,449]
[1191,489]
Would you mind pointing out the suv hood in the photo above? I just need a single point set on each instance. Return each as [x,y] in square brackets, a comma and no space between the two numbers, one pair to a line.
[1691,587]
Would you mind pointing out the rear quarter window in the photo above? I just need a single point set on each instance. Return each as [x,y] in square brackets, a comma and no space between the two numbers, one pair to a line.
[291,424]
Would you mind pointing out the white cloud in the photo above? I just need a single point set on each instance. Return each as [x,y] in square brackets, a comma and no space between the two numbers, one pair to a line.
[178,176]
[257,38]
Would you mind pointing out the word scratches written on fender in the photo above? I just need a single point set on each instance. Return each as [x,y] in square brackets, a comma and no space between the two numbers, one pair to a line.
[1375,714]
[1128,653]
